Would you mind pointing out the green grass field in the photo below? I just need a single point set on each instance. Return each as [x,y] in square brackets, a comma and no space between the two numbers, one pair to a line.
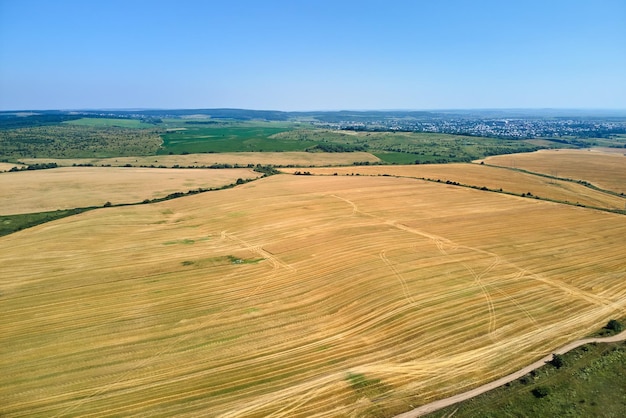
[109,122]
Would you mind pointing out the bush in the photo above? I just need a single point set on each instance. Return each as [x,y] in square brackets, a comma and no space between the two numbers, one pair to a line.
[615,326]
[557,361]
[540,392]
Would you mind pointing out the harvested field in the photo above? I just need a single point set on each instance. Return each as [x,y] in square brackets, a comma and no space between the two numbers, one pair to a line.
[619,151]
[606,170]
[73,187]
[241,158]
[8,166]
[297,296]
[493,178]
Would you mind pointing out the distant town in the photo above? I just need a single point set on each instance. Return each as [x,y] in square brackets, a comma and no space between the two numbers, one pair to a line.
[510,128]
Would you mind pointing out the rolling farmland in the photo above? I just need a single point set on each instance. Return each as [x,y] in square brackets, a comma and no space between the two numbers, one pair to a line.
[297,296]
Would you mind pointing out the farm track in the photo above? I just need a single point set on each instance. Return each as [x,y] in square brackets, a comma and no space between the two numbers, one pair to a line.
[442,403]
[148,315]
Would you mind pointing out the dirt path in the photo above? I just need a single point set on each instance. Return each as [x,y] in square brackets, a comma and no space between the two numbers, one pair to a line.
[442,403]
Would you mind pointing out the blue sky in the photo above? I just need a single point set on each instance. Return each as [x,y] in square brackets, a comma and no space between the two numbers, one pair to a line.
[312,55]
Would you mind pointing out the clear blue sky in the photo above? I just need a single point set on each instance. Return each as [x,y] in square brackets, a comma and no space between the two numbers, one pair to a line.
[312,55]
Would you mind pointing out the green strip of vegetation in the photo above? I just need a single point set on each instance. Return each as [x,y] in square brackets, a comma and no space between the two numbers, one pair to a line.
[13,223]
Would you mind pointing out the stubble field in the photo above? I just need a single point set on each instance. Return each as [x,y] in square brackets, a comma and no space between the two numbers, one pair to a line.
[297,296]
[75,187]
[605,169]
[495,179]
[240,158]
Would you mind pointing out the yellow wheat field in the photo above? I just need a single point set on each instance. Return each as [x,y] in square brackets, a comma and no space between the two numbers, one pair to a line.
[72,187]
[297,296]
[241,158]
[493,178]
[603,169]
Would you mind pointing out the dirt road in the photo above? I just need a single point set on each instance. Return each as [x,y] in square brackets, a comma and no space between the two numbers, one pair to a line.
[442,403]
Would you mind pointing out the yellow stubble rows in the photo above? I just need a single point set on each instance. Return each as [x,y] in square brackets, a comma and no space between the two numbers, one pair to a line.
[74,187]
[241,158]
[602,168]
[494,178]
[427,288]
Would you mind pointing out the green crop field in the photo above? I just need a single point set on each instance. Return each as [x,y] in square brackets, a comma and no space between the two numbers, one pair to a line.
[392,157]
[220,137]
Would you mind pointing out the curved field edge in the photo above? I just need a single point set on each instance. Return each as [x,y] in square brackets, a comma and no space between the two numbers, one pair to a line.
[490,178]
[586,381]
[354,296]
[74,187]
[606,170]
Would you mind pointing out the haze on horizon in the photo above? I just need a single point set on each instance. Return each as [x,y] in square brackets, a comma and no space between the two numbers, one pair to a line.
[312,55]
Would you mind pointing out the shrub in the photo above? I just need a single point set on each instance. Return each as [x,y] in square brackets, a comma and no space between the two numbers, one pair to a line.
[540,392]
[614,325]
[557,361]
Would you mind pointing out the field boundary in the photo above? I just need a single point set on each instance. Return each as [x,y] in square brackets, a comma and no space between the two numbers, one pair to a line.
[10,224]
[581,182]
[487,189]
[442,403]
